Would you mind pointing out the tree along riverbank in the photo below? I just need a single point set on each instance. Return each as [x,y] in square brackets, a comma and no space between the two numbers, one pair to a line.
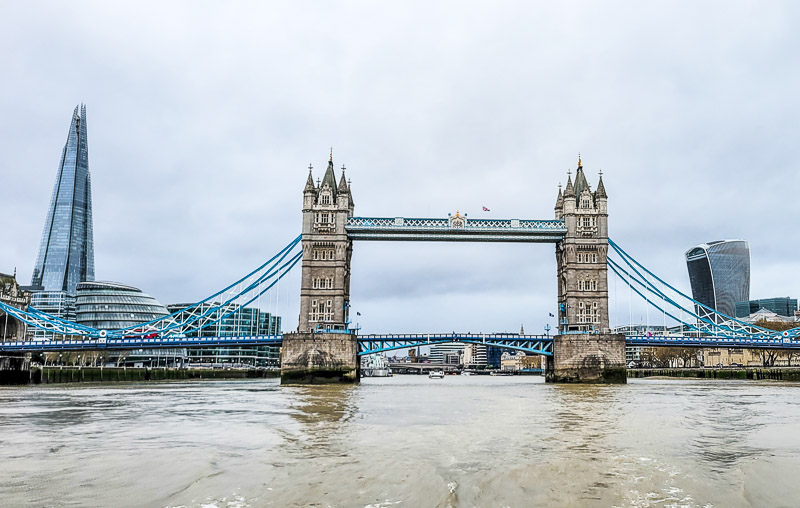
[55,375]
[780,374]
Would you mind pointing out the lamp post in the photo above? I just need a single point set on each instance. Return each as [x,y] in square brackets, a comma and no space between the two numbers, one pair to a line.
[547,330]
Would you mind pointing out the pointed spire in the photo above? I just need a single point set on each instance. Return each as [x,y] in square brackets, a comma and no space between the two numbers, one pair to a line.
[569,191]
[310,181]
[580,164]
[343,181]
[601,189]
[580,182]
[330,177]
[560,198]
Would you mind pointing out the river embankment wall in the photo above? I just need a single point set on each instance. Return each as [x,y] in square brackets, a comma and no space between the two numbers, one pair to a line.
[57,375]
[776,373]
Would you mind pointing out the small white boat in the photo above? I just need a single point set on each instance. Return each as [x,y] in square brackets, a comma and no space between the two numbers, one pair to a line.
[436,374]
[467,373]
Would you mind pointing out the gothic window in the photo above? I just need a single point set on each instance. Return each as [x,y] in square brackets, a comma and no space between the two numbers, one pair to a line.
[324,254]
[585,203]
[325,199]
[321,311]
[322,283]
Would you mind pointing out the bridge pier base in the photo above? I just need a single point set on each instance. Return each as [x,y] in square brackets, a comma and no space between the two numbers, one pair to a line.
[587,358]
[319,358]
[15,369]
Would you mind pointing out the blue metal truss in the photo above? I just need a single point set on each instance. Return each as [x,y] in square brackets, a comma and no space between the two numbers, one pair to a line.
[370,344]
[140,343]
[536,344]
[713,342]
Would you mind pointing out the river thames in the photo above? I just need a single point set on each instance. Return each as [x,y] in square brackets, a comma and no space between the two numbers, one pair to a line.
[405,441]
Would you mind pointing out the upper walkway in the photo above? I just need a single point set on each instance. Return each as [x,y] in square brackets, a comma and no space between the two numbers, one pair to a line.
[455,228]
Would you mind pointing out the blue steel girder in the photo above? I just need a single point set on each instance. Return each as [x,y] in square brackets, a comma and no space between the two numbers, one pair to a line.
[713,342]
[140,343]
[536,344]
[455,229]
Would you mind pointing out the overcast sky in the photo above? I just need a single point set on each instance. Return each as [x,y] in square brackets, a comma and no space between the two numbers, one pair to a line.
[204,116]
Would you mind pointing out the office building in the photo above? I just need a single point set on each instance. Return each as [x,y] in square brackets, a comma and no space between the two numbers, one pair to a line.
[719,273]
[247,321]
[475,355]
[113,306]
[447,353]
[66,250]
[783,306]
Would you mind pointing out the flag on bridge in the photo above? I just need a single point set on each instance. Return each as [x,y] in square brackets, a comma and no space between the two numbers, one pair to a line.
[486,209]
[358,313]
[551,314]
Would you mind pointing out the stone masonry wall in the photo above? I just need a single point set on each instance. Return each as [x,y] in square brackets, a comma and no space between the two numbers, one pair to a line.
[311,358]
[587,358]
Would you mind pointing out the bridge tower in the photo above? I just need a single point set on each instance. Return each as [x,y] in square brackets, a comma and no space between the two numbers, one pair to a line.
[325,279]
[581,256]
[584,349]
[323,350]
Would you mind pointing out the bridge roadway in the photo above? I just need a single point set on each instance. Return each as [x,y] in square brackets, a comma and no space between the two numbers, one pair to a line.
[369,344]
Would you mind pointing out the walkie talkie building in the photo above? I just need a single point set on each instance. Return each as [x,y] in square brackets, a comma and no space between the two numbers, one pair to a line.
[719,273]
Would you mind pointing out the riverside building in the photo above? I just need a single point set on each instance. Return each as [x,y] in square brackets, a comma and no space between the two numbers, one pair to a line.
[783,306]
[112,306]
[246,321]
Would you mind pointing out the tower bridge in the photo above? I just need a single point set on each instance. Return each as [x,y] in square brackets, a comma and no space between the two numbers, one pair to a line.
[325,348]
[579,231]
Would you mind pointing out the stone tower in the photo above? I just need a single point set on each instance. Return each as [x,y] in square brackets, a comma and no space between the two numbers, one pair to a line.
[325,279]
[581,256]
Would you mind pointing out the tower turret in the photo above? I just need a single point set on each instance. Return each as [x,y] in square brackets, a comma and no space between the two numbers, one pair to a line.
[559,208]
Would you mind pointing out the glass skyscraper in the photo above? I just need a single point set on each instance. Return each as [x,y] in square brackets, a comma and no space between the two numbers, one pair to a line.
[66,252]
[719,273]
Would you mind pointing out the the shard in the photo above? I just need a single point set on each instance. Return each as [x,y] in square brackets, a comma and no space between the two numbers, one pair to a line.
[66,252]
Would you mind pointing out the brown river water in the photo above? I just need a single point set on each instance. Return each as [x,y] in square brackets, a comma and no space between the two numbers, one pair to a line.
[405,441]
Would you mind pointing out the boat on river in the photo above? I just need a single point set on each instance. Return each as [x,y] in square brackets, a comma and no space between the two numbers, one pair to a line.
[376,365]
[436,374]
